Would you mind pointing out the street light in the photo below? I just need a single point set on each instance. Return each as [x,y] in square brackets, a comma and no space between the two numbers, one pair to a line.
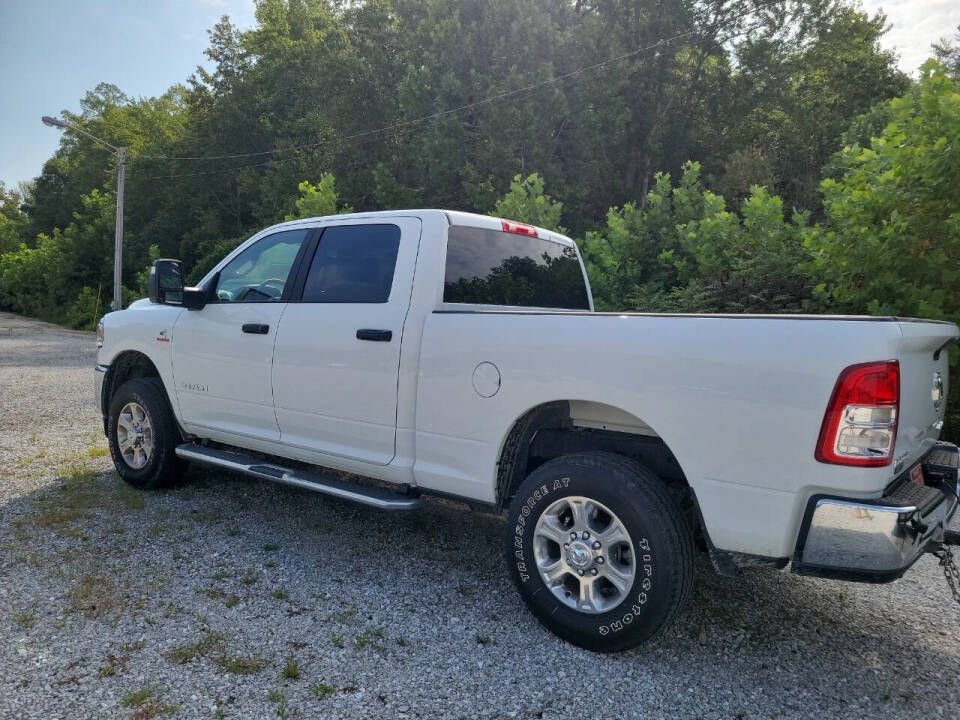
[121,174]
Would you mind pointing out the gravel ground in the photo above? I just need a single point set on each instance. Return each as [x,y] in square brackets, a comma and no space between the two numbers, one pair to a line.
[231,598]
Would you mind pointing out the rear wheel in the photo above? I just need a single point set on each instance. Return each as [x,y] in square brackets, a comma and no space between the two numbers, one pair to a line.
[143,435]
[599,551]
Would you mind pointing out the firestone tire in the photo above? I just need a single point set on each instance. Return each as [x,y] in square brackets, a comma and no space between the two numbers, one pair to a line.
[143,435]
[651,578]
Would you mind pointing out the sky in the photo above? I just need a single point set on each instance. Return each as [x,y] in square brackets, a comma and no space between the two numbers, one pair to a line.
[54,51]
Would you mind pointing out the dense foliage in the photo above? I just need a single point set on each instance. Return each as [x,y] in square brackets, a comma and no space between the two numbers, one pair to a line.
[717,155]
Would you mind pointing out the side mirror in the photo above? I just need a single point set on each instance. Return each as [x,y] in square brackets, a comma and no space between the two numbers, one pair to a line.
[165,286]
[165,283]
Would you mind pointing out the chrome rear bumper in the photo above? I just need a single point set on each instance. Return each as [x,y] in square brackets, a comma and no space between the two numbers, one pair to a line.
[878,540]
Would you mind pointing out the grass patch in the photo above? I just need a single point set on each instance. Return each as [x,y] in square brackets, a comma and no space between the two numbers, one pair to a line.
[250,577]
[183,654]
[348,614]
[337,640]
[213,593]
[78,495]
[371,637]
[95,452]
[232,601]
[270,547]
[134,646]
[281,594]
[482,639]
[94,595]
[25,620]
[222,575]
[240,665]
[291,670]
[145,705]
[278,696]
[322,690]
[114,664]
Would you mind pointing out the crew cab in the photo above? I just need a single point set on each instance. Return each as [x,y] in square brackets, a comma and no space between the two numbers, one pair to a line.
[446,353]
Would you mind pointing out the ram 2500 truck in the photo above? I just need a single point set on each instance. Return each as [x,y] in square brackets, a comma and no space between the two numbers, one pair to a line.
[454,354]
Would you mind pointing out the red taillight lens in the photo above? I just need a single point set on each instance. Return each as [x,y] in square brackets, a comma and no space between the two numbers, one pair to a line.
[860,425]
[519,228]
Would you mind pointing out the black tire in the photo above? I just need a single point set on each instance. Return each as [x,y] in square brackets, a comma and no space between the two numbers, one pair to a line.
[658,530]
[162,468]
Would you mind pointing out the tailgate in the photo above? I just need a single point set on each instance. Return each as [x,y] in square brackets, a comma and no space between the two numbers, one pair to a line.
[923,387]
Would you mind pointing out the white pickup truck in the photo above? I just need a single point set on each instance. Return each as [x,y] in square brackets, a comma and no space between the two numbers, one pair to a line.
[454,354]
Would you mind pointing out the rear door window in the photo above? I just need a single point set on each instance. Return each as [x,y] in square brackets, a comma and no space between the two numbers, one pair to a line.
[490,267]
[353,264]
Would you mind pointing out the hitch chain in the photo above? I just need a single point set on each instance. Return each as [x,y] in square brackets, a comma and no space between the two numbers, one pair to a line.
[950,570]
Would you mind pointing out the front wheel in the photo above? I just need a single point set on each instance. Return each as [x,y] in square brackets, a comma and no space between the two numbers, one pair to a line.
[143,435]
[599,551]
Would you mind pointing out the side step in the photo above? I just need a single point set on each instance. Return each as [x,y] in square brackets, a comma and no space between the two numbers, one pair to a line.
[377,497]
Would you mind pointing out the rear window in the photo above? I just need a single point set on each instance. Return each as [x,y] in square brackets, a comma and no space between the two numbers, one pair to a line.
[490,267]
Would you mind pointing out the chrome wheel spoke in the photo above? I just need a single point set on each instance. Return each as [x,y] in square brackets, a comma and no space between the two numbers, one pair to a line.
[578,512]
[553,574]
[588,597]
[614,534]
[618,577]
[550,529]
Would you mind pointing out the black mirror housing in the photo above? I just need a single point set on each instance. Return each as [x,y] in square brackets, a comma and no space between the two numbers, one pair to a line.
[165,286]
[194,298]
[165,283]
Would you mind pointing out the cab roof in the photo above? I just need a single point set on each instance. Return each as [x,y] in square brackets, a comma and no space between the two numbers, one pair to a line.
[453,217]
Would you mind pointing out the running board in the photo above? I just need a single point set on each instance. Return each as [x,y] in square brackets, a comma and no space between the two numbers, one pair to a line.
[377,497]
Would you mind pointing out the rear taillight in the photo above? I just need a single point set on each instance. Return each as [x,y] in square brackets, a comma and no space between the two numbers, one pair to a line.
[519,228]
[860,425]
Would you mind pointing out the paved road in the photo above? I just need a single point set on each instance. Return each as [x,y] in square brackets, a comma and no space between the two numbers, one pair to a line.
[231,598]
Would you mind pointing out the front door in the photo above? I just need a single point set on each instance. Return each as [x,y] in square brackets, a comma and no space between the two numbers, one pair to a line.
[222,354]
[337,356]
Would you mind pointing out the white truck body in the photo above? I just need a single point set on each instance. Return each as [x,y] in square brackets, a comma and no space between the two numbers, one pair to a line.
[738,400]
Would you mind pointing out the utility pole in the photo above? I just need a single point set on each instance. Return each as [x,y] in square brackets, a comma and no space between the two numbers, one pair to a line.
[121,153]
[118,235]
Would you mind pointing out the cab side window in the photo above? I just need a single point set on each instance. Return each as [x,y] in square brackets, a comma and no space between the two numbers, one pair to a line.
[353,264]
[260,273]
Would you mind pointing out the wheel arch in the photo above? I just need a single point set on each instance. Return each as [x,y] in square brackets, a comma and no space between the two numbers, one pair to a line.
[564,427]
[127,365]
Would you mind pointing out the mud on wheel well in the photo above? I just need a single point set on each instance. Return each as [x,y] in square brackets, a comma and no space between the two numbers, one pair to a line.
[548,431]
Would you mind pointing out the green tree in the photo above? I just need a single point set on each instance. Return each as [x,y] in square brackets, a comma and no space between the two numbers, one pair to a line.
[891,241]
[13,223]
[685,252]
[45,279]
[948,53]
[317,200]
[527,202]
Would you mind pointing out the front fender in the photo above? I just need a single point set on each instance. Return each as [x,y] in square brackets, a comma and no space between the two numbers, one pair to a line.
[147,329]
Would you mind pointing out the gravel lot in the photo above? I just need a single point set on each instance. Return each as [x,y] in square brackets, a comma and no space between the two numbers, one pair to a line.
[231,598]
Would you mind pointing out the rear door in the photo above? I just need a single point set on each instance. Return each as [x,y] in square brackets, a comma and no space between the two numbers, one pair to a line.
[923,387]
[337,354]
